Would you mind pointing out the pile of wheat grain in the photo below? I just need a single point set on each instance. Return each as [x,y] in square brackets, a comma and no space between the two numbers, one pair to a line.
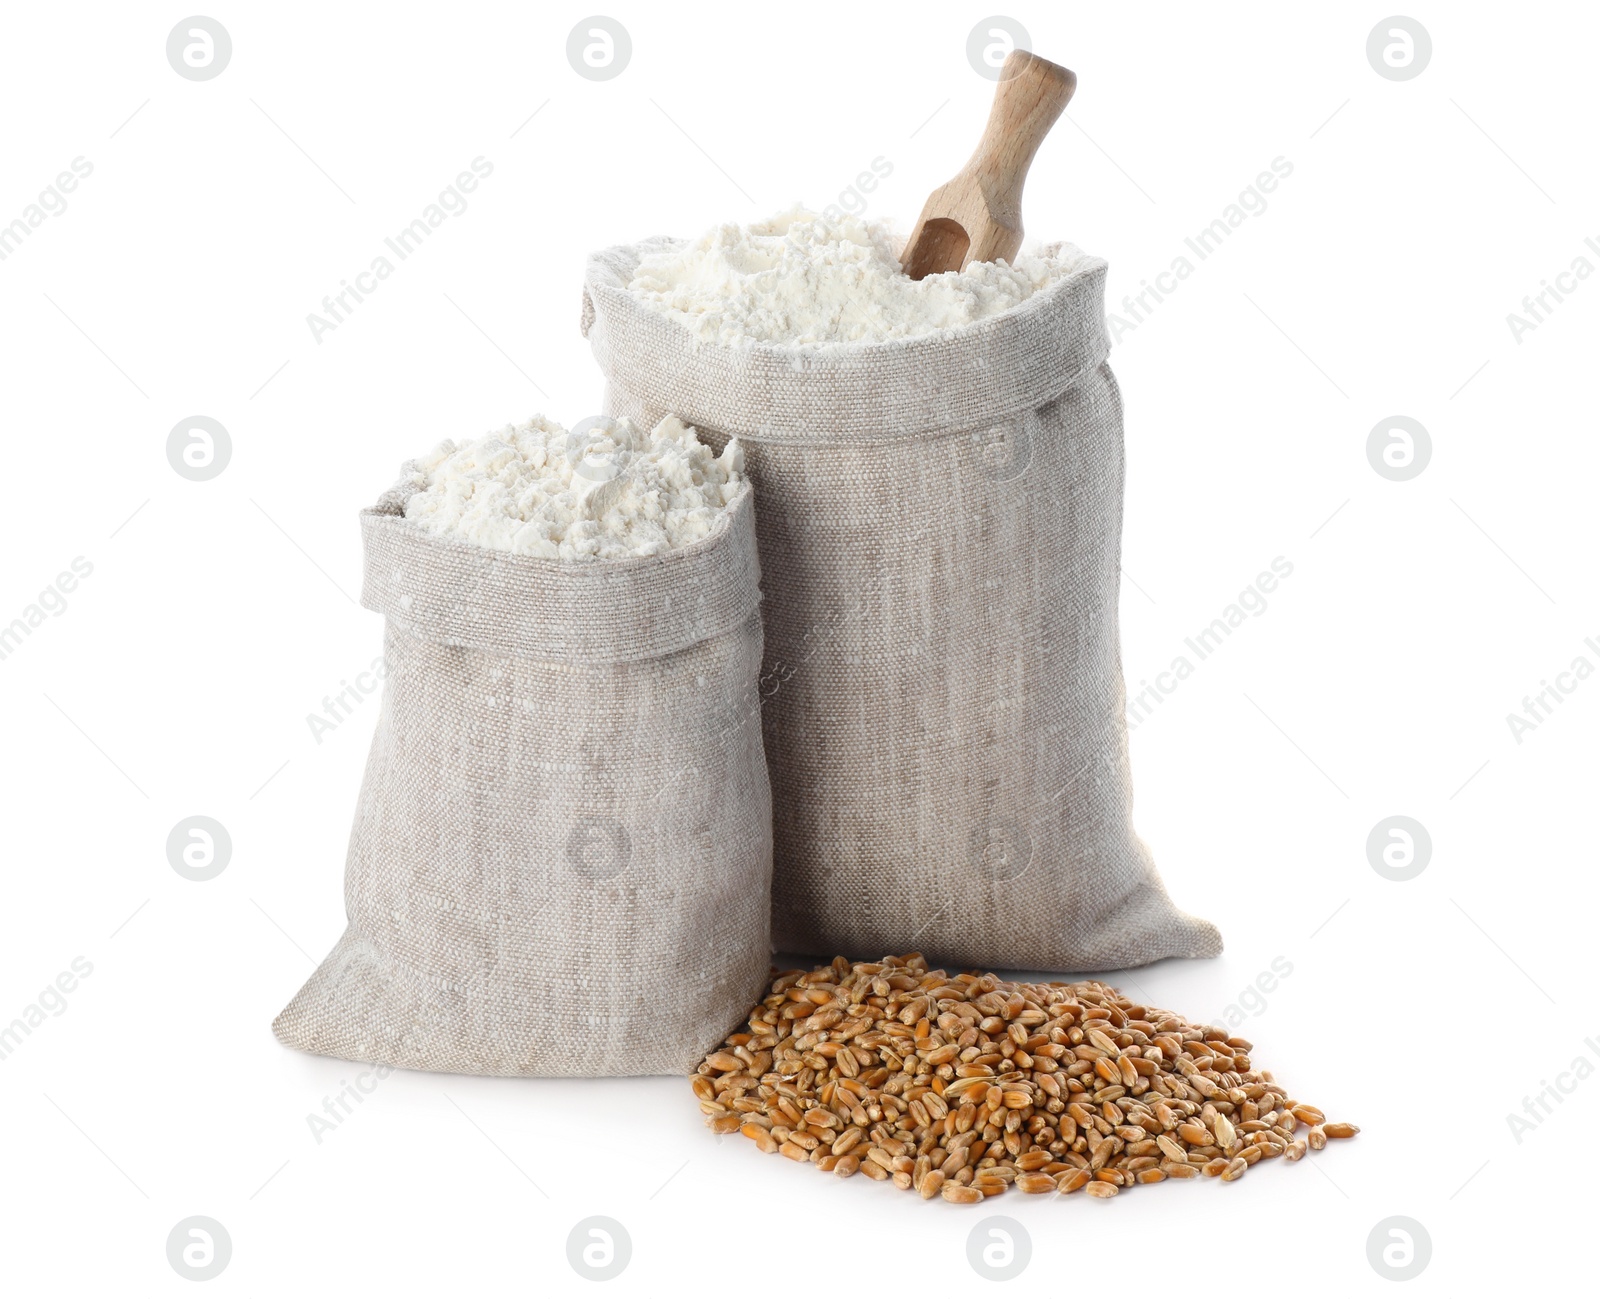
[963,1085]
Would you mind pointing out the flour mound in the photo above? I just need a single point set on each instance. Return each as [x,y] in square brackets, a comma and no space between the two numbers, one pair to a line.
[801,279]
[601,491]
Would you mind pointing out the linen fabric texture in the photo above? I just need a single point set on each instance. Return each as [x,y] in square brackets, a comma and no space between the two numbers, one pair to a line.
[939,522]
[562,850]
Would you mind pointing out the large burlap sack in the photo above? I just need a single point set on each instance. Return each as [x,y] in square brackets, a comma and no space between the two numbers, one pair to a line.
[940,531]
[562,852]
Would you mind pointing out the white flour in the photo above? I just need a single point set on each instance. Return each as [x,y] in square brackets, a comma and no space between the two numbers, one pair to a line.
[802,279]
[605,492]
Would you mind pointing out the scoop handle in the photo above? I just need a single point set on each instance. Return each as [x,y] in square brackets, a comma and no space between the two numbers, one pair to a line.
[1032,94]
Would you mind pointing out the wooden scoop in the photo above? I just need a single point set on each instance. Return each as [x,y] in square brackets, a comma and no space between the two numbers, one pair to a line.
[977,216]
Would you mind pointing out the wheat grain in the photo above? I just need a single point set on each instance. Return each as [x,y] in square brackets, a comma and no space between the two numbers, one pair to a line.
[962,1086]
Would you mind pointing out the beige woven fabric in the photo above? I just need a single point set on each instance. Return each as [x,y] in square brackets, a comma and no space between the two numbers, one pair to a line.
[562,852]
[940,527]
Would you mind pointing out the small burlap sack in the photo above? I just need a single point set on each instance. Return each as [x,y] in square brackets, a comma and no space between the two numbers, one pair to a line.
[940,529]
[562,851]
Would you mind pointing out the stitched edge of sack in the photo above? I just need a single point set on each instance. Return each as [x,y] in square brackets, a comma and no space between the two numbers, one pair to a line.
[668,601]
[1002,365]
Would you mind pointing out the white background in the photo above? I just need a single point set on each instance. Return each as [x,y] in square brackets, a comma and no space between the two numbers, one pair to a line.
[219,614]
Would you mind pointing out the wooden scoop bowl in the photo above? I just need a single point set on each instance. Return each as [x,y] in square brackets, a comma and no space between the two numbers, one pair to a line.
[977,216]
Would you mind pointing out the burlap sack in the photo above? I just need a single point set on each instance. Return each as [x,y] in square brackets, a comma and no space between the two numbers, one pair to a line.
[940,529]
[562,852]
